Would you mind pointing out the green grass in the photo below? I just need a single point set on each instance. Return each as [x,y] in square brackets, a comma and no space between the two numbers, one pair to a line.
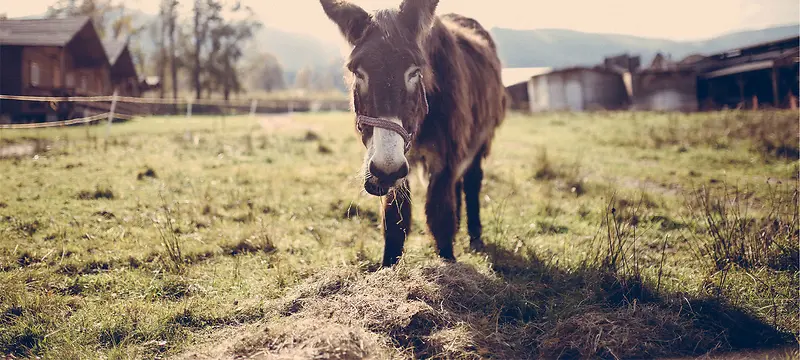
[257,235]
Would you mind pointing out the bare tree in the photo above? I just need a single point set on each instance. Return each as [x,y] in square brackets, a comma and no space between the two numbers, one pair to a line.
[230,39]
[162,49]
[97,10]
[172,21]
[303,77]
[206,16]
[267,72]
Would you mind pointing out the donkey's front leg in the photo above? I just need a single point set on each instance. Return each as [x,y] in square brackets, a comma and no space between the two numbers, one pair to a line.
[440,210]
[396,222]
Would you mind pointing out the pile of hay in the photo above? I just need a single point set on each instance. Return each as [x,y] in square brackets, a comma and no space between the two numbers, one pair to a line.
[459,311]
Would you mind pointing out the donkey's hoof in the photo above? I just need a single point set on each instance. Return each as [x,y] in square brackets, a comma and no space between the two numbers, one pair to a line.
[476,244]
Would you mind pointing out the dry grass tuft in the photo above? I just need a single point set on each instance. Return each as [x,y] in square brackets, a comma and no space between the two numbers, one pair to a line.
[618,334]
[310,338]
[98,193]
[749,233]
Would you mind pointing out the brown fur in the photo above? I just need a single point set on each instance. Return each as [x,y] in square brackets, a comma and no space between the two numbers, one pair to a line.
[467,102]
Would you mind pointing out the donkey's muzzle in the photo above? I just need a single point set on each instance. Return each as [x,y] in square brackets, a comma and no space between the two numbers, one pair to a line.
[388,178]
[379,181]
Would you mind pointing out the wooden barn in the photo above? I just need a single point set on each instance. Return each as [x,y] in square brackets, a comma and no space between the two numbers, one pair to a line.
[659,89]
[756,76]
[124,78]
[578,89]
[50,57]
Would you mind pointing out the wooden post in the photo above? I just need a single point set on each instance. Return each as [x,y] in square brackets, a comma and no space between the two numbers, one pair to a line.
[188,113]
[111,114]
[253,105]
[775,100]
[86,125]
[740,83]
[63,65]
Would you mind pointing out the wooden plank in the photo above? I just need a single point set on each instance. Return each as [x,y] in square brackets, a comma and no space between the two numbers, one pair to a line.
[775,99]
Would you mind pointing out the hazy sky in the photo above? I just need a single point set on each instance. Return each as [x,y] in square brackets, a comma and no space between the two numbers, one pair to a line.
[673,19]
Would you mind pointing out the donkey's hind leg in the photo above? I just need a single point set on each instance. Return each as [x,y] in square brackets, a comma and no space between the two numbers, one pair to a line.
[396,223]
[472,189]
[440,211]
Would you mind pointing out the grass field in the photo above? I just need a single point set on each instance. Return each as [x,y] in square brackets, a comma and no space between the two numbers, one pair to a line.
[610,235]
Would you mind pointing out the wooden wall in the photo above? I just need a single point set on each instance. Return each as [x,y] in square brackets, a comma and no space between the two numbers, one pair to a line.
[10,78]
[665,91]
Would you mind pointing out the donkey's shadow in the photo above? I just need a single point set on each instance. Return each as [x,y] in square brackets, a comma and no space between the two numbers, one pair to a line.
[527,308]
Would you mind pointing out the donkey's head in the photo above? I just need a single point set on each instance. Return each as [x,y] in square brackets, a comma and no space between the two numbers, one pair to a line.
[388,65]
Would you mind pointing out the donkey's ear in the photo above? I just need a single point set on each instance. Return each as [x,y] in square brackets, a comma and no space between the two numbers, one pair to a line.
[418,14]
[351,19]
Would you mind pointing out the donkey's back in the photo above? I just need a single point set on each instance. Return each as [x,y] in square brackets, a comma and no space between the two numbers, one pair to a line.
[471,24]
[477,86]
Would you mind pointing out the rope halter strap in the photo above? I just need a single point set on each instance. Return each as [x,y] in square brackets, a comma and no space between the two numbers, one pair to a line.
[387,124]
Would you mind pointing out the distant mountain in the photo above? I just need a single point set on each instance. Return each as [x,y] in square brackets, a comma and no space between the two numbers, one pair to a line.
[560,48]
[295,51]
[518,48]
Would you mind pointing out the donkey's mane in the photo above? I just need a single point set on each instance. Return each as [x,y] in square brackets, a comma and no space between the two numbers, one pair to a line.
[467,98]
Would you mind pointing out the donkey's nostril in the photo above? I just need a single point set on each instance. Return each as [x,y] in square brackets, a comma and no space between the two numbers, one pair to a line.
[377,172]
[402,171]
[388,177]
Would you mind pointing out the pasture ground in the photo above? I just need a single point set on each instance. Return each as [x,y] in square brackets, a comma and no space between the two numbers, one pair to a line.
[610,235]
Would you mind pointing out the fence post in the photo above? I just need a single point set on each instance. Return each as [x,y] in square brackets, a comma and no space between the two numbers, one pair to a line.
[253,105]
[189,108]
[111,114]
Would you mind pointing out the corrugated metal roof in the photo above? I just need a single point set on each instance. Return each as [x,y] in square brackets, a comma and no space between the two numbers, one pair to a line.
[40,32]
[513,76]
[736,69]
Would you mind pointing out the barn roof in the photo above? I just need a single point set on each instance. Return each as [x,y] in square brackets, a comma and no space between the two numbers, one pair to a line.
[119,57]
[77,34]
[114,49]
[581,68]
[782,43]
[513,76]
[40,32]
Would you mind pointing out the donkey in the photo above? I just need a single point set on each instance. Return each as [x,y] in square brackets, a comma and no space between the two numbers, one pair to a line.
[426,91]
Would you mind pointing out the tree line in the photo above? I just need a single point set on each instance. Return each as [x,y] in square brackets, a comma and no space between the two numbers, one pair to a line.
[199,51]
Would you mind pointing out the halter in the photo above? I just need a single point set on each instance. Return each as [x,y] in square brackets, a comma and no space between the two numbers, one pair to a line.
[387,124]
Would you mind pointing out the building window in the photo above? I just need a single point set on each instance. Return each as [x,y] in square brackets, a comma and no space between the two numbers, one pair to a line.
[70,80]
[84,83]
[34,74]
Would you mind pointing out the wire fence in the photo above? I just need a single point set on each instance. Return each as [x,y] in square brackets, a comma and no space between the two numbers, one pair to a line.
[114,106]
[77,121]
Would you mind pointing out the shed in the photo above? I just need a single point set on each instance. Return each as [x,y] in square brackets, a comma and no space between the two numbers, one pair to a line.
[516,81]
[665,90]
[50,57]
[578,89]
